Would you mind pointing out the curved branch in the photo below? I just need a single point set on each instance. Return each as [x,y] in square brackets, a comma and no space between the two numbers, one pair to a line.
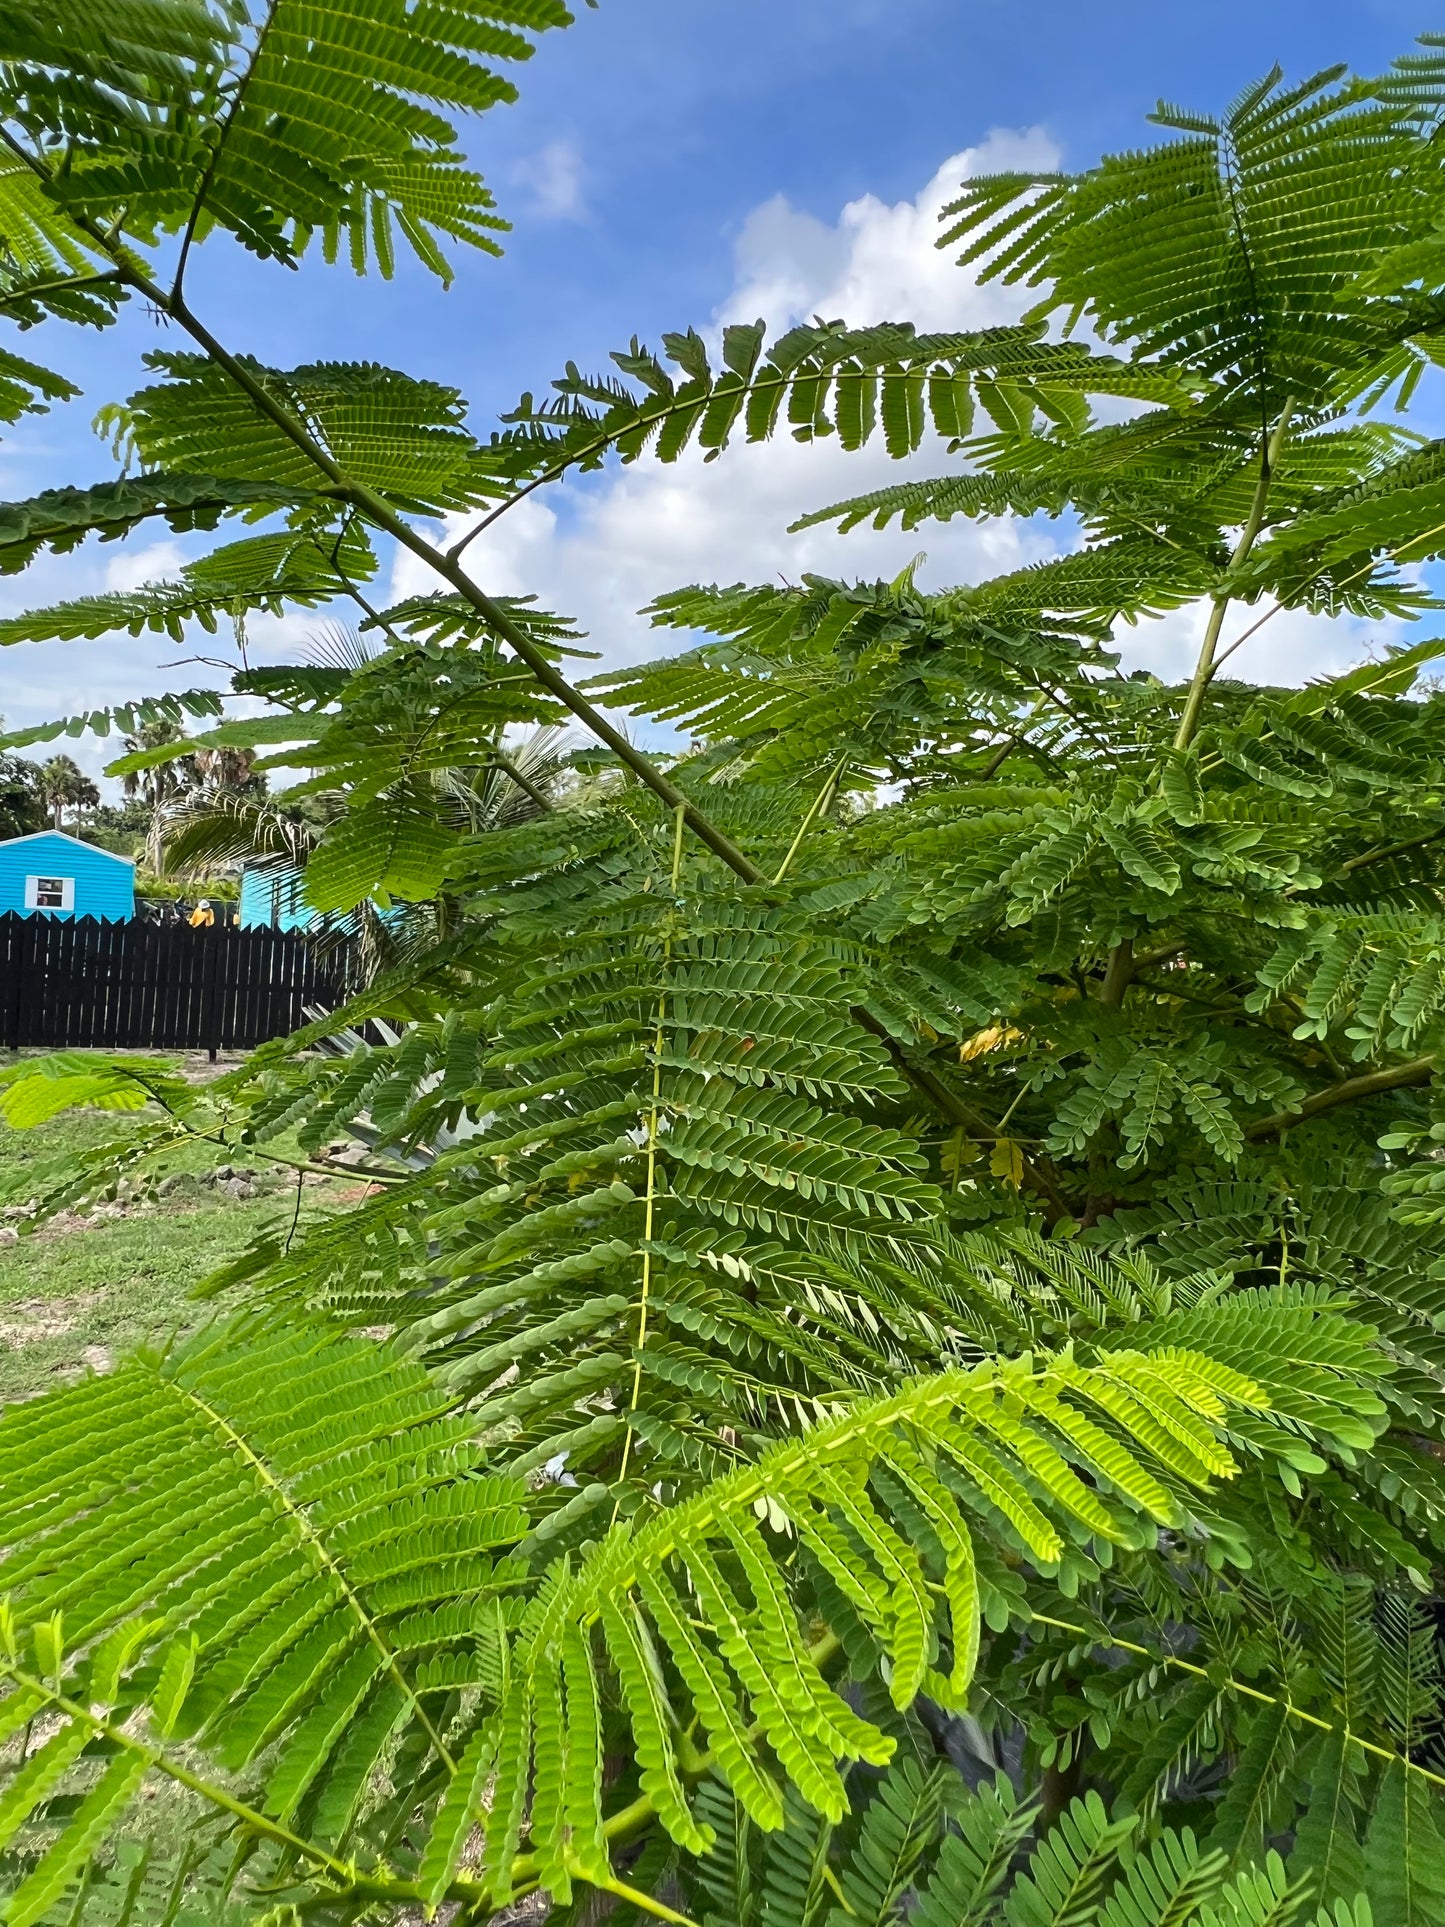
[379,512]
[1419,1070]
[1392,849]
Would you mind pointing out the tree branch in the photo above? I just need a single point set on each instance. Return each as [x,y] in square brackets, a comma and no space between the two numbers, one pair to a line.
[528,789]
[378,511]
[1119,975]
[958,1111]
[1392,849]
[1205,667]
[203,186]
[1419,1070]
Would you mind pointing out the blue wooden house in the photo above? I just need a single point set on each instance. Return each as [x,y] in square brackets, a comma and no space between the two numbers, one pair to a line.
[51,874]
[271,899]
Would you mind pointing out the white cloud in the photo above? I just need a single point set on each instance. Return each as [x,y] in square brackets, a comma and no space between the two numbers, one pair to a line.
[600,549]
[553,178]
[129,568]
[1289,647]
[880,262]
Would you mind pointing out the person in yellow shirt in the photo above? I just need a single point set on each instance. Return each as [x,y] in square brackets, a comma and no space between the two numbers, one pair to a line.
[203,917]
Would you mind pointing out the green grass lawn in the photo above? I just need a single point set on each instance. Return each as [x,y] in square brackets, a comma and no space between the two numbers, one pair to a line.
[73,1299]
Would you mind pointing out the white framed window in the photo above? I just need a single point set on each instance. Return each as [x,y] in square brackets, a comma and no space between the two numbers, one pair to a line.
[50,893]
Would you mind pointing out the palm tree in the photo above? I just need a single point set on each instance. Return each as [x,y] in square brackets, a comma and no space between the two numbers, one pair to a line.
[519,782]
[232,771]
[64,785]
[211,827]
[160,787]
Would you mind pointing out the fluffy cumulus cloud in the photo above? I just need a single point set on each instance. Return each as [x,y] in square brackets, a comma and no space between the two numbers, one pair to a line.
[878,262]
[128,568]
[601,549]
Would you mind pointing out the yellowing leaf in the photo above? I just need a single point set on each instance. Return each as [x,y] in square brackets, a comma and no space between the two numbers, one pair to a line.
[984,1041]
[1007,1161]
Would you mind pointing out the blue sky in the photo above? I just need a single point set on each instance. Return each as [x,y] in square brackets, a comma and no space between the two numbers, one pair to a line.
[669,165]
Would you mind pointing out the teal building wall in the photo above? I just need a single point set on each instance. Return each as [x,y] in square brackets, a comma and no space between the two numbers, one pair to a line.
[91,882]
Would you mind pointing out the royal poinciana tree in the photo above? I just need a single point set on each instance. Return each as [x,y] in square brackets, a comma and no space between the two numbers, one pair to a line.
[908,1236]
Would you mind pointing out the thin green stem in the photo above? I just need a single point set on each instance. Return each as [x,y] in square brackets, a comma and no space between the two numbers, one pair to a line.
[311,1539]
[1119,970]
[815,809]
[1391,849]
[1230,1684]
[182,1775]
[203,186]
[645,1902]
[371,1172]
[1205,667]
[659,1039]
[1018,1099]
[836,1884]
[61,284]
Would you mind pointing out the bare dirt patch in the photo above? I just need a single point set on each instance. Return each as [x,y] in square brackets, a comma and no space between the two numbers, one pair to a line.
[32,1321]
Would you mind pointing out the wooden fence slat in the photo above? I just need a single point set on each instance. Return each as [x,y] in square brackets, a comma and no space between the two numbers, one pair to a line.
[77,983]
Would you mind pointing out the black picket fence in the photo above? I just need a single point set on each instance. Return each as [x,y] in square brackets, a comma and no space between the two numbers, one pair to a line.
[78,983]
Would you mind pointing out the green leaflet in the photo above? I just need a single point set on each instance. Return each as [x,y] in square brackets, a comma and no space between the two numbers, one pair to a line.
[1326,1840]
[97,1813]
[390,432]
[286,1527]
[205,150]
[1404,1857]
[898,1828]
[60,519]
[395,845]
[460,1806]
[1243,1822]
[1067,1870]
[297,568]
[754,1653]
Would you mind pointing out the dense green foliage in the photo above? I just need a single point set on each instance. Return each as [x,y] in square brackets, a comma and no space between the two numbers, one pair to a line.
[22,807]
[895,1349]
